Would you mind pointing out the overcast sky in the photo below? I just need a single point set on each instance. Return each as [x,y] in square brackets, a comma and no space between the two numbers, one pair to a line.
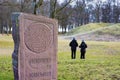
[73,3]
[75,0]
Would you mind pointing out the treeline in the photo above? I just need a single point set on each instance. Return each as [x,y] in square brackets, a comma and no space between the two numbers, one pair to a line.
[70,13]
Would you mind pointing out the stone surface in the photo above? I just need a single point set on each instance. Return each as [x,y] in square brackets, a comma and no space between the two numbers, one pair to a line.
[16,39]
[38,38]
[37,54]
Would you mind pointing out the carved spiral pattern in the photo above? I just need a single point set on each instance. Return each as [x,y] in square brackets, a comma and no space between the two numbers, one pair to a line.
[37,37]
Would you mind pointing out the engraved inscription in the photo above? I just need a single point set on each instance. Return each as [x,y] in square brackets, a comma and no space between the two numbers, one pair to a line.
[36,63]
[39,60]
[40,74]
[37,37]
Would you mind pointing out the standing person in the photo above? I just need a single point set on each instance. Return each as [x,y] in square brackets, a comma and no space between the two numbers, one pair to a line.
[83,47]
[73,44]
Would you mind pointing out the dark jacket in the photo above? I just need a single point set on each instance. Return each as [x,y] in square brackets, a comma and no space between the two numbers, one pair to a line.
[73,44]
[83,46]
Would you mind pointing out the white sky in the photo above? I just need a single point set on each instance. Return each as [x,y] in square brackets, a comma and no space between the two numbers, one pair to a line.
[73,3]
[75,0]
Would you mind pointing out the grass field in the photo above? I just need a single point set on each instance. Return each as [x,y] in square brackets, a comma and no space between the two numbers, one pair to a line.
[101,63]
[6,48]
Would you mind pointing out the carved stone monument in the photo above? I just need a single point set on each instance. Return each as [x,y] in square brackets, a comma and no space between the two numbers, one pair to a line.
[35,39]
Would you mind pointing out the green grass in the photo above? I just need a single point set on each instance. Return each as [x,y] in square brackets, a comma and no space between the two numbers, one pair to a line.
[6,38]
[6,72]
[6,44]
[101,63]
[113,30]
[88,27]
[6,41]
[6,48]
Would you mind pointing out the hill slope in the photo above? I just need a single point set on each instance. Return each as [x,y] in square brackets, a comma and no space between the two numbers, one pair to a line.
[87,27]
[102,32]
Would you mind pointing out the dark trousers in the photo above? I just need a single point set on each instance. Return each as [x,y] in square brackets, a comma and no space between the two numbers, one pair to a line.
[73,54]
[82,56]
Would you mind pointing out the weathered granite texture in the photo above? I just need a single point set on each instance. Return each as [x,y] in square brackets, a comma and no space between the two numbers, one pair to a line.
[35,51]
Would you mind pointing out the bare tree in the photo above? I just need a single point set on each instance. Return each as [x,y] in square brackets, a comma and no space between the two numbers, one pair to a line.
[64,18]
[80,12]
[116,11]
[6,7]
[37,4]
[53,7]
[98,10]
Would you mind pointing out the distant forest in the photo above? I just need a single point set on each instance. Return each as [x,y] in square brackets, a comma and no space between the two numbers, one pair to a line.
[69,13]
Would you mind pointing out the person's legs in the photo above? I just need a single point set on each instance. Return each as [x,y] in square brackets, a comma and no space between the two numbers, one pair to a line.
[81,55]
[84,55]
[72,53]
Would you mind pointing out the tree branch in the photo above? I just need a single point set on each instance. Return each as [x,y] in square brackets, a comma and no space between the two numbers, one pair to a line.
[58,10]
[40,3]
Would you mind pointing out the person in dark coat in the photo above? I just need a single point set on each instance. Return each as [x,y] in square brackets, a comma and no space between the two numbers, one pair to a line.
[73,44]
[83,47]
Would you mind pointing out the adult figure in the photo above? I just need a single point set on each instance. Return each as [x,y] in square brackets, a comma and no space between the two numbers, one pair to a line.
[73,44]
[83,47]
